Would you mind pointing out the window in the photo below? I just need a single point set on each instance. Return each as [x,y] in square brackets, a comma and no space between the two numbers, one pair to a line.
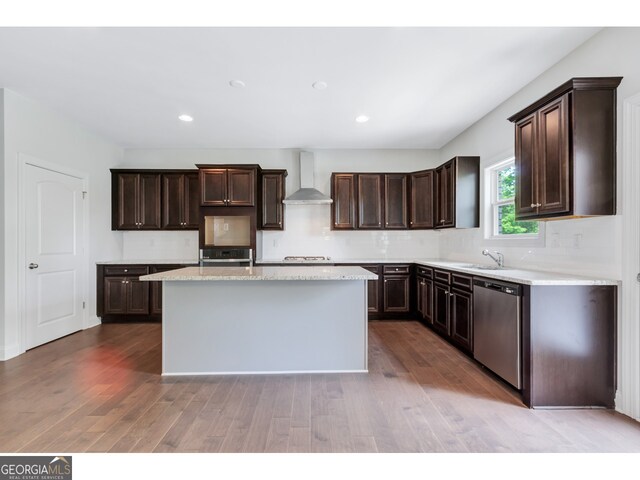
[503,210]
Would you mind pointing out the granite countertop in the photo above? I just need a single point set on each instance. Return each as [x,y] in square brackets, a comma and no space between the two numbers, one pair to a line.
[517,275]
[507,274]
[262,273]
[148,262]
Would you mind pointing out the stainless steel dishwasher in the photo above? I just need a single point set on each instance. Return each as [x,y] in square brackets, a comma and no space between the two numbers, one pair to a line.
[497,342]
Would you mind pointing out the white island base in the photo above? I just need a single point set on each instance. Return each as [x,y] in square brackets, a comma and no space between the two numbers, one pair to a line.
[254,326]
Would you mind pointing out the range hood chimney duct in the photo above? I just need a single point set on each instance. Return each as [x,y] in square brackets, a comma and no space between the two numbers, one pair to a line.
[307,195]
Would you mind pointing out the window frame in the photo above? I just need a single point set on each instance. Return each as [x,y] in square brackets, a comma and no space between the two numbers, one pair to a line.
[492,204]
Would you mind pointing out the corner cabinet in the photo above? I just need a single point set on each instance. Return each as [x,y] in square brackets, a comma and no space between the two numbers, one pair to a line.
[565,149]
[272,193]
[457,193]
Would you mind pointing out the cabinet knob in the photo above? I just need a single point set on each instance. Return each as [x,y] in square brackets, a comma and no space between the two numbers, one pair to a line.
[126,270]
[538,204]
[123,281]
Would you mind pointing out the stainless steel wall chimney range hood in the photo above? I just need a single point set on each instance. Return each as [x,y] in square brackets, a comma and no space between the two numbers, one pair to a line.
[307,195]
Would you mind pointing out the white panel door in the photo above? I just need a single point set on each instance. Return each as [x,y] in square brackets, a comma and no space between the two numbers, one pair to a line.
[54,256]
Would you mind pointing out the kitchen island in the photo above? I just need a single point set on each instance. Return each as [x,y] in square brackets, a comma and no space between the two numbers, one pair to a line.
[230,320]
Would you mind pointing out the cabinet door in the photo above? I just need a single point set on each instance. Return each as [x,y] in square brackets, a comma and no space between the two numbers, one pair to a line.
[343,193]
[115,295]
[395,201]
[526,167]
[422,200]
[462,318]
[127,201]
[156,287]
[149,210]
[441,308]
[369,200]
[137,296]
[172,200]
[396,293]
[373,290]
[424,289]
[191,203]
[553,158]
[241,187]
[213,187]
[445,175]
[272,206]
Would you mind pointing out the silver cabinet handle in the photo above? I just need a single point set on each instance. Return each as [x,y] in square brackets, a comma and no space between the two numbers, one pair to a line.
[126,270]
[33,266]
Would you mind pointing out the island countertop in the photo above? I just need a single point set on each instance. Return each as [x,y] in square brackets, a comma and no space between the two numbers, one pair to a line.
[262,273]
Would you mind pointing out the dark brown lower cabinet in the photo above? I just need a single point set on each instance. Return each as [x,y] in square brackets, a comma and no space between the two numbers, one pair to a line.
[424,299]
[125,295]
[122,297]
[156,287]
[441,308]
[373,289]
[390,297]
[396,293]
[462,318]
[453,308]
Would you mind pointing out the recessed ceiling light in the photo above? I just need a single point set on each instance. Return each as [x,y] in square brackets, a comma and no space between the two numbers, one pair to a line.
[237,83]
[185,118]
[362,119]
[319,85]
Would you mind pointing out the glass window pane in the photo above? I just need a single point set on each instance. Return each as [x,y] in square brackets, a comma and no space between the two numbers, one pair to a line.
[506,182]
[507,224]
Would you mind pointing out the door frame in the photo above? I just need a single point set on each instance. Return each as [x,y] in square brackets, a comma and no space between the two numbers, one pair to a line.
[628,392]
[23,161]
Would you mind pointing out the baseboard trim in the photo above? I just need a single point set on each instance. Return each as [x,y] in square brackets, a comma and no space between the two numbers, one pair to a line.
[93,321]
[259,372]
[7,353]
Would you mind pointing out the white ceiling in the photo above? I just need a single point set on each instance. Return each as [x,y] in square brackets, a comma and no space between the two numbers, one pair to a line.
[420,86]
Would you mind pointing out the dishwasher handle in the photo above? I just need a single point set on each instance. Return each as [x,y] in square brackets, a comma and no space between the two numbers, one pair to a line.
[507,288]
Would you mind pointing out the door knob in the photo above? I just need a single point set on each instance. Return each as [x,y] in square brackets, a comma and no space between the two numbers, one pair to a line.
[33,266]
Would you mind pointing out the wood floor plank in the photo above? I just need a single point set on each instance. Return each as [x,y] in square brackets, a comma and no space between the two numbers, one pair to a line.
[100,390]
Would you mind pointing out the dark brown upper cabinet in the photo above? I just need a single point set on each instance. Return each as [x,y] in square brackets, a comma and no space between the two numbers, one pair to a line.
[180,201]
[457,193]
[396,193]
[135,200]
[369,201]
[227,187]
[343,193]
[272,186]
[421,199]
[565,149]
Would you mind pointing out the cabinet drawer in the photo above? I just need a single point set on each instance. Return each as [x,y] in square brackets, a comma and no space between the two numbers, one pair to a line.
[424,272]
[396,269]
[441,276]
[462,281]
[126,270]
[372,268]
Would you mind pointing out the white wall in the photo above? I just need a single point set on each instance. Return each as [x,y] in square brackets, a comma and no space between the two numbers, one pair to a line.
[31,129]
[307,228]
[585,246]
[2,269]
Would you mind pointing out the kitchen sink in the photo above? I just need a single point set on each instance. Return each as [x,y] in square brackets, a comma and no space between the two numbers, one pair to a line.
[482,267]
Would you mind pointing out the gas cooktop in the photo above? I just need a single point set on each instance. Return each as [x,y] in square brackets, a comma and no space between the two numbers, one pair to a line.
[307,259]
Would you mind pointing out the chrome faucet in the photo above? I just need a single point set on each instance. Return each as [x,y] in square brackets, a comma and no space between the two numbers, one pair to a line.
[499,260]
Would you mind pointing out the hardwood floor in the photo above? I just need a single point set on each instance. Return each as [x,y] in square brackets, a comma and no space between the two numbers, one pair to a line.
[101,391]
